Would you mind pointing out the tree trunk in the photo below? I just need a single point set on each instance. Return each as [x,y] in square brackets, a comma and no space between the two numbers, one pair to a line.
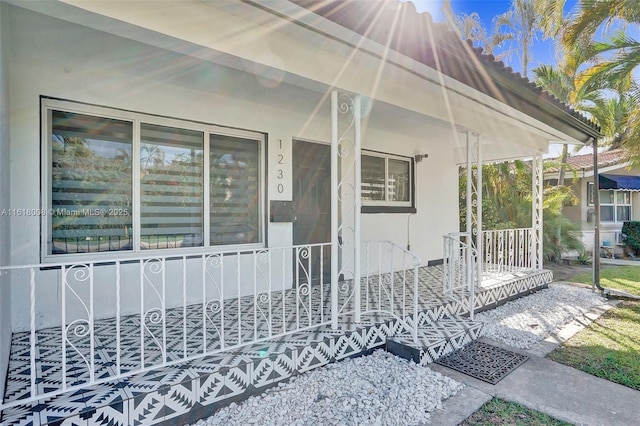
[563,164]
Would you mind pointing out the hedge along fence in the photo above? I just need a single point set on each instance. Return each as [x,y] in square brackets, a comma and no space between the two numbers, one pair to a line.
[631,236]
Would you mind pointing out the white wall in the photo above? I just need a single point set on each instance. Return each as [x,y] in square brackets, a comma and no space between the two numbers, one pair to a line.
[5,307]
[73,62]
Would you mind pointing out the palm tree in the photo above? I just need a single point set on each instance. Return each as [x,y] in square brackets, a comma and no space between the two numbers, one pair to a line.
[615,57]
[469,27]
[151,156]
[519,23]
[593,15]
[550,16]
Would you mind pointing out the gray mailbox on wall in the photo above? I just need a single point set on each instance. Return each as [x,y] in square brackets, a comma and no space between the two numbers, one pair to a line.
[281,211]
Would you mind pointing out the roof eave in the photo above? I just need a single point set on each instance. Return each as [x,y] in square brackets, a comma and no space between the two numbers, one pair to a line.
[563,121]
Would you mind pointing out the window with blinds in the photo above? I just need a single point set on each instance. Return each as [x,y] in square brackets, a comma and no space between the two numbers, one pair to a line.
[96,164]
[234,190]
[615,204]
[91,183]
[374,178]
[386,180]
[171,182]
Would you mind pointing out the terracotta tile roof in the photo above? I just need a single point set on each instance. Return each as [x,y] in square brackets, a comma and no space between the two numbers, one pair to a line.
[585,161]
[398,25]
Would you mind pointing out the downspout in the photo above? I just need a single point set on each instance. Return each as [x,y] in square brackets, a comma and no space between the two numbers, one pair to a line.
[596,222]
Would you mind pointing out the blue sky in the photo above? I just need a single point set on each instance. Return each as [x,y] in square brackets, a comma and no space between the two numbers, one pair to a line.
[542,50]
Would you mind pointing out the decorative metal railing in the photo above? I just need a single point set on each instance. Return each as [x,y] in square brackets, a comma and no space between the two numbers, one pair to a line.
[507,250]
[460,276]
[390,283]
[113,318]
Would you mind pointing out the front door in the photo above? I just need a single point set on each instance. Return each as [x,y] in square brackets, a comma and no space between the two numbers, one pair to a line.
[312,210]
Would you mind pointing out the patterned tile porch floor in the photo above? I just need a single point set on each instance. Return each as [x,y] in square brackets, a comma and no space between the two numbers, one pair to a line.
[292,352]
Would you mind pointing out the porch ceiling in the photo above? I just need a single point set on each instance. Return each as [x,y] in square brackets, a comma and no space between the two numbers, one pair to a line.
[250,34]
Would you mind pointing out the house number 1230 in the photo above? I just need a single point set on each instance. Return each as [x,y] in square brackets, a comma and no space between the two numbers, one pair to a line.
[280,172]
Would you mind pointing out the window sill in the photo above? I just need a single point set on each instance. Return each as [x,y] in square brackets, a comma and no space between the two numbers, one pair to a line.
[109,257]
[387,209]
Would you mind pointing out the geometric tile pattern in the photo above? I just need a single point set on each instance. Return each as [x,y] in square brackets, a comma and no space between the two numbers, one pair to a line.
[435,339]
[483,361]
[518,286]
[193,389]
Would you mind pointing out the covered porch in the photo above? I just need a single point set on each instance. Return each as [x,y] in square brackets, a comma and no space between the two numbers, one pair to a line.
[181,363]
[146,332]
[148,339]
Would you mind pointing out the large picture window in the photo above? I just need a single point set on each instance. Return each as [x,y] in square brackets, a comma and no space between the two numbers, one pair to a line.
[615,205]
[387,182]
[128,182]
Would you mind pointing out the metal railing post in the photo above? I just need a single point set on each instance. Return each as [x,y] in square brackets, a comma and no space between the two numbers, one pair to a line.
[357,208]
[415,300]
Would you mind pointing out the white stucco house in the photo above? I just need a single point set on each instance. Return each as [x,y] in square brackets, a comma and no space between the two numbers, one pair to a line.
[200,199]
[619,186]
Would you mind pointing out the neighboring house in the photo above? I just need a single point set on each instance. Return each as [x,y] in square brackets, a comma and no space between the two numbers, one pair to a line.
[200,199]
[619,197]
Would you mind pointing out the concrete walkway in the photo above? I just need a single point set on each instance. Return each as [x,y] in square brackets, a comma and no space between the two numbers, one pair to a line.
[544,385]
[619,262]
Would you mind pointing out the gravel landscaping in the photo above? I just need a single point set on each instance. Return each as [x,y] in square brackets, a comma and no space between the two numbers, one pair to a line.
[381,389]
[528,320]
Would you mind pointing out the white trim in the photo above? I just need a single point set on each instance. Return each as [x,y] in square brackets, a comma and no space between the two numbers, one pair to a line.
[136,118]
[45,172]
[136,157]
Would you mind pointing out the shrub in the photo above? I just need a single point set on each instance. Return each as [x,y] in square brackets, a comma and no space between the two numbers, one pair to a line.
[631,236]
[584,258]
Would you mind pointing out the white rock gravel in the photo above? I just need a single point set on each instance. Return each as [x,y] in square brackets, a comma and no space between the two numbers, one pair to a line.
[382,389]
[379,389]
[523,322]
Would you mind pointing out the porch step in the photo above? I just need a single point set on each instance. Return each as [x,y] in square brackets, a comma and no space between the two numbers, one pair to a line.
[435,339]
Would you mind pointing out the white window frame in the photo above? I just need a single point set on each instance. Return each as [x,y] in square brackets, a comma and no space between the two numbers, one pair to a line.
[48,105]
[387,202]
[615,204]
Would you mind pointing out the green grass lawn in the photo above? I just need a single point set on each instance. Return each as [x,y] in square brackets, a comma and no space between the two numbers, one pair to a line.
[625,278]
[610,346]
[501,412]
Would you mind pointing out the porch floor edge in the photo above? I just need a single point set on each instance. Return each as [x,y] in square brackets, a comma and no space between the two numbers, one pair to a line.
[195,390]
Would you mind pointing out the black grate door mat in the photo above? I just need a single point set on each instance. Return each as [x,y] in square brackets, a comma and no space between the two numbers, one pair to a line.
[485,362]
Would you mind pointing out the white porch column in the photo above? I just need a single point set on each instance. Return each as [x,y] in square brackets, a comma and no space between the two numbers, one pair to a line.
[357,204]
[536,210]
[345,205]
[478,230]
[334,210]
[474,198]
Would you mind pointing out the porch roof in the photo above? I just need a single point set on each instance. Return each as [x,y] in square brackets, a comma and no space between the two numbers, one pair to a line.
[400,27]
